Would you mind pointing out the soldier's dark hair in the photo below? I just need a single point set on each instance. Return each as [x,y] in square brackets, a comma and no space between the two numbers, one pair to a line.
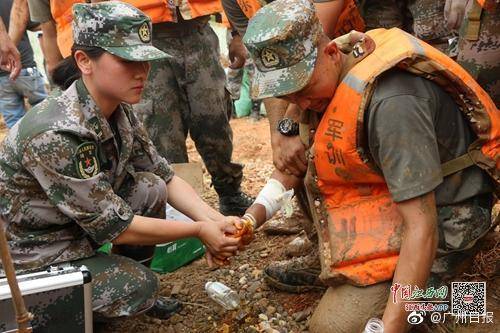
[67,72]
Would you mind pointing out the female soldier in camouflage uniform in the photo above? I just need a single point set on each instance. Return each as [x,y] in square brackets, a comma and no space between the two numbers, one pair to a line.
[79,170]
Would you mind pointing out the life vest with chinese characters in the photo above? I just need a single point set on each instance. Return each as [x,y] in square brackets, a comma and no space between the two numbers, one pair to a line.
[158,10]
[349,18]
[359,226]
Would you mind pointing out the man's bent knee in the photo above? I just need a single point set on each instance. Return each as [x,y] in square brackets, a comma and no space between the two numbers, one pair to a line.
[346,308]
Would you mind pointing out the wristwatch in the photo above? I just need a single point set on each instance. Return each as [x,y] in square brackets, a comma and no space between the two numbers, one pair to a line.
[288,127]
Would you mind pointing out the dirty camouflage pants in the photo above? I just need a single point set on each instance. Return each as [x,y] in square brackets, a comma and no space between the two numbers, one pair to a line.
[481,56]
[186,94]
[423,18]
[122,286]
[460,227]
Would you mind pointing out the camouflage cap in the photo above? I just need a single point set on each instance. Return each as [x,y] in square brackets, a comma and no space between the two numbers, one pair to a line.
[117,27]
[282,39]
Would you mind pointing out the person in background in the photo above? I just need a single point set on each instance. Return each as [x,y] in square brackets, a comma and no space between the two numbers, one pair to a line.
[29,84]
[79,171]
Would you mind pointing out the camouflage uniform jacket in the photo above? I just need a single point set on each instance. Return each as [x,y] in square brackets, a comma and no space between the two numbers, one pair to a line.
[61,172]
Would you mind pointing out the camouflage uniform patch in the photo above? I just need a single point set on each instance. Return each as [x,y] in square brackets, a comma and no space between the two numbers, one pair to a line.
[481,56]
[423,18]
[186,94]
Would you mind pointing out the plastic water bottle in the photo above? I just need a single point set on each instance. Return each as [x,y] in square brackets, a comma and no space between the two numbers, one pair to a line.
[374,325]
[223,295]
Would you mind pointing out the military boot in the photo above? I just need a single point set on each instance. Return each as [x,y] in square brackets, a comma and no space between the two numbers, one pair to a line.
[295,275]
[235,203]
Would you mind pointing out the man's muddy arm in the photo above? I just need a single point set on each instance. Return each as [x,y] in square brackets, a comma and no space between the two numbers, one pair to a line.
[418,249]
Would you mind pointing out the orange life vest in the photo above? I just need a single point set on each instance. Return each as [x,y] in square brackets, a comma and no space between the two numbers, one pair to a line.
[349,18]
[158,10]
[359,226]
[489,5]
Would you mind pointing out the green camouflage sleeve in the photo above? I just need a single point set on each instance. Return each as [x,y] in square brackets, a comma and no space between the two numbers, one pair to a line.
[90,202]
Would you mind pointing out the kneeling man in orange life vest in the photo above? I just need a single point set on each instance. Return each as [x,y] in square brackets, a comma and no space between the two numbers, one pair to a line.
[402,162]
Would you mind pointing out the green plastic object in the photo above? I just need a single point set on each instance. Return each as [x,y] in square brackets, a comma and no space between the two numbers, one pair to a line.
[173,255]
[106,248]
[243,106]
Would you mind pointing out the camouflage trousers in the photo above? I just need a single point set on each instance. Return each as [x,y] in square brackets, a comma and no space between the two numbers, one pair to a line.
[480,54]
[186,94]
[460,228]
[122,286]
[423,18]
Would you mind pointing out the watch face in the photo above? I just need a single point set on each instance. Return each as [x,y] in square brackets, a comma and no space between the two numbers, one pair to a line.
[285,126]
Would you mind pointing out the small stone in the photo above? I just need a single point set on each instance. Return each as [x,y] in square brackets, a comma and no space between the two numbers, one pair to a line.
[270,310]
[241,316]
[184,291]
[281,323]
[179,328]
[264,325]
[251,329]
[257,296]
[271,330]
[263,317]
[225,328]
[177,287]
[243,267]
[264,255]
[156,321]
[300,316]
[253,287]
[243,280]
[264,302]
[170,329]
[256,273]
[231,272]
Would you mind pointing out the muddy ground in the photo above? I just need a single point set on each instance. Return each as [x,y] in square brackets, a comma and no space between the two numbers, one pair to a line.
[263,309]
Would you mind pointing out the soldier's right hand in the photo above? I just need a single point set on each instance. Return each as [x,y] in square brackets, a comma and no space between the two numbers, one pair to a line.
[237,52]
[217,238]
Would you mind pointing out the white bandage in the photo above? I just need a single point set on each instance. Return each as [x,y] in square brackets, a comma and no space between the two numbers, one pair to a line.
[273,196]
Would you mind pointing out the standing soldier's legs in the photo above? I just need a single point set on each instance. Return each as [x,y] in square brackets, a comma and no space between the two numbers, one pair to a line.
[479,47]
[164,108]
[209,122]
[429,24]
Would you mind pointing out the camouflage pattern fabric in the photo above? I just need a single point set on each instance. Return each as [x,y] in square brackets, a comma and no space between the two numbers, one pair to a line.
[235,77]
[283,64]
[117,27]
[422,18]
[65,184]
[185,93]
[481,57]
[120,286]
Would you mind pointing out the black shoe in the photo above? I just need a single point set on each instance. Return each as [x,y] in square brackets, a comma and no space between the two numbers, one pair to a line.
[296,275]
[235,204]
[164,308]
